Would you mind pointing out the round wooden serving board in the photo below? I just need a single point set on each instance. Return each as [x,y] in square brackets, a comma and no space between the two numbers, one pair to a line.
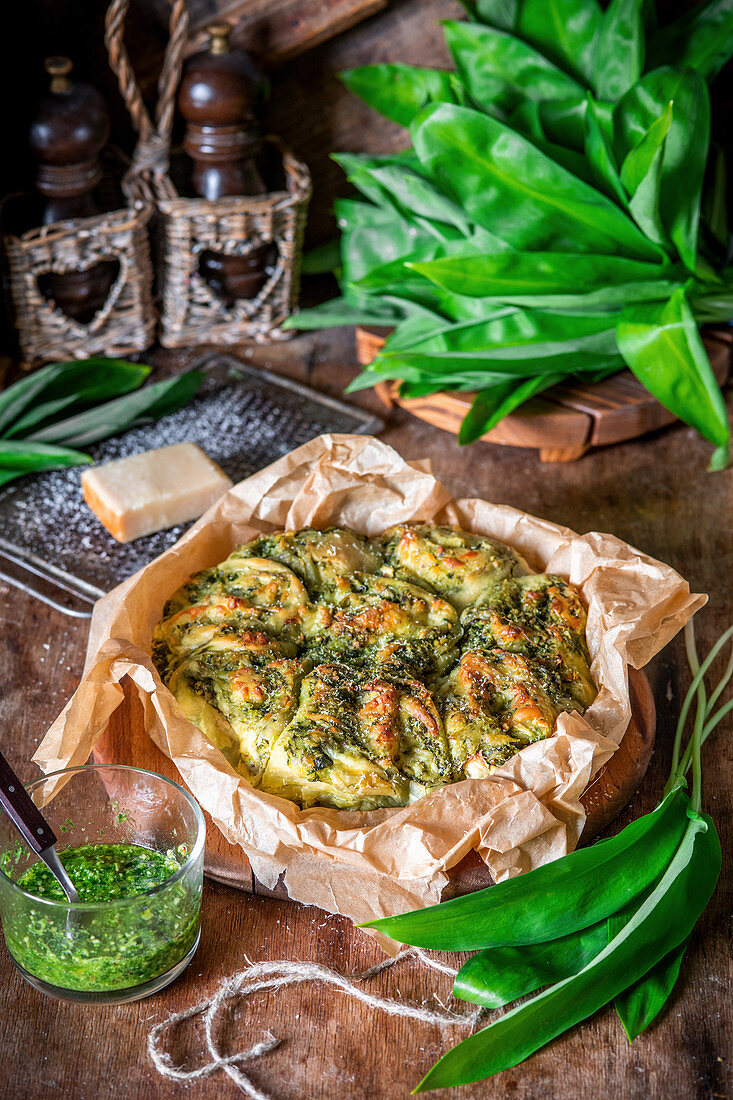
[566,420]
[126,742]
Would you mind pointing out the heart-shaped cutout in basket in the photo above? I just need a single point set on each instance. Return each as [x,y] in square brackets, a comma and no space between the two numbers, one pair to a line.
[238,276]
[84,295]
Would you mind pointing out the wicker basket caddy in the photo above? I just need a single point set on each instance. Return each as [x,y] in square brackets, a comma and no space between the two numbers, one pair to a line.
[126,321]
[191,311]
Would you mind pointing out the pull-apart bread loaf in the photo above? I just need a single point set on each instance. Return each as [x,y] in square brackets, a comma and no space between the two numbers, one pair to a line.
[337,670]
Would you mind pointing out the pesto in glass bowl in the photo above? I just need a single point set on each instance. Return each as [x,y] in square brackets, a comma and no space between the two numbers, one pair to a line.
[133,844]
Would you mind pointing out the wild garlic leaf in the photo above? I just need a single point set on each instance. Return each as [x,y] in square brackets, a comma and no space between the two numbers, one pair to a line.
[399,92]
[542,273]
[492,405]
[578,890]
[17,454]
[497,13]
[565,32]
[661,344]
[620,48]
[700,39]
[515,191]
[483,55]
[499,975]
[639,160]
[86,380]
[682,168]
[115,416]
[663,921]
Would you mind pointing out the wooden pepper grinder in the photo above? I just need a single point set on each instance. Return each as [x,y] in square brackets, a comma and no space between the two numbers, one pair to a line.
[66,137]
[217,99]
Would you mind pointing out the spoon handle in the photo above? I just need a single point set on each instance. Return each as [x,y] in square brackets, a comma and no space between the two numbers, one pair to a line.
[22,810]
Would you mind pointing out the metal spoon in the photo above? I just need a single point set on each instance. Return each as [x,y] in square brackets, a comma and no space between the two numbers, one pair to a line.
[32,825]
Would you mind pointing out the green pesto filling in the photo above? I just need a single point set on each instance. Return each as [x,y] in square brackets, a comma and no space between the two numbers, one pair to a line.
[117,947]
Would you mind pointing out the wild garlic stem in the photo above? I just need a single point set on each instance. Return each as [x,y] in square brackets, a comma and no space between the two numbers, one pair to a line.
[676,771]
[694,746]
[711,720]
[722,684]
[717,717]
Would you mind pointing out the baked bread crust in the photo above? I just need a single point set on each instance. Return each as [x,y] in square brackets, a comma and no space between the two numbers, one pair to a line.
[360,673]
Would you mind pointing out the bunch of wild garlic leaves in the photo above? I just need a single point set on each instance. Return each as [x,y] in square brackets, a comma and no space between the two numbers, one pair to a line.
[46,416]
[605,924]
[555,214]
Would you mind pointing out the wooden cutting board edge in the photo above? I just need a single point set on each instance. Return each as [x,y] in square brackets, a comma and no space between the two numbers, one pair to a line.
[125,741]
[565,421]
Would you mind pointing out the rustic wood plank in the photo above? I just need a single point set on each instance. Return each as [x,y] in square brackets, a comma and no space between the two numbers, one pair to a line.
[654,493]
[275,29]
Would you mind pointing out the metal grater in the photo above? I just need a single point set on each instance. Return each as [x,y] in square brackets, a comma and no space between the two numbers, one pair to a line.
[243,417]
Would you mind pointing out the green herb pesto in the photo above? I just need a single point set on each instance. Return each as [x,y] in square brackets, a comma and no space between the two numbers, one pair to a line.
[110,946]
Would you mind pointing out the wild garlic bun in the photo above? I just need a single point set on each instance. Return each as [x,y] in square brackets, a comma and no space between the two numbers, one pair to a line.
[336,670]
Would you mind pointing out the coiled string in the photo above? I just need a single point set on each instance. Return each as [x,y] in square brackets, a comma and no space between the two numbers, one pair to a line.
[257,977]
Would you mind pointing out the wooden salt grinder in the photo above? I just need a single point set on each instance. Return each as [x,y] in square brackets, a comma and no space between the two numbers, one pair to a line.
[66,137]
[217,99]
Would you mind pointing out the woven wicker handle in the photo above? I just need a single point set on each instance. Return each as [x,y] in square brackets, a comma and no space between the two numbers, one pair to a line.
[147,177]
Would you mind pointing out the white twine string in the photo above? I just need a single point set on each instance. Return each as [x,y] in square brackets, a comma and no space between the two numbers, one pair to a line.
[275,975]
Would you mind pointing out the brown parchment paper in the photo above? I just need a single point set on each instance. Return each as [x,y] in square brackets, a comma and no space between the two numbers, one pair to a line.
[372,864]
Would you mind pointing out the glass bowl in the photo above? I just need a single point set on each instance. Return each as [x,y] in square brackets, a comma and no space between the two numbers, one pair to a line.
[107,952]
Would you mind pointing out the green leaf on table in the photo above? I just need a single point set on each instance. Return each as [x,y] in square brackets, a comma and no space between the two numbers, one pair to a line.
[497,13]
[640,1004]
[492,405]
[407,191]
[638,162]
[399,92]
[546,273]
[619,52]
[663,920]
[661,345]
[485,56]
[564,30]
[682,167]
[87,380]
[515,191]
[600,154]
[641,175]
[98,423]
[18,457]
[499,975]
[578,890]
[108,378]
[342,311]
[563,121]
[19,454]
[701,39]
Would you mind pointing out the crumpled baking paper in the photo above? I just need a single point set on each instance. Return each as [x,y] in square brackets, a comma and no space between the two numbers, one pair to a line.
[366,865]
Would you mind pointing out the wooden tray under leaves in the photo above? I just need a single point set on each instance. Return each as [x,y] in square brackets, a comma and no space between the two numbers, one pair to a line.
[125,741]
[564,422]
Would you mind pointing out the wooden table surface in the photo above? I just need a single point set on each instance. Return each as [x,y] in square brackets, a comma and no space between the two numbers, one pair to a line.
[654,493]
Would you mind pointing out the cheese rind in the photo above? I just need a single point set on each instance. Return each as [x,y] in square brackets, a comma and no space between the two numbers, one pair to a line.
[151,491]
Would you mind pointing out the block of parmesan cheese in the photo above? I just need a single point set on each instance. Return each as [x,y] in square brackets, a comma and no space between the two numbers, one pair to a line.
[153,490]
